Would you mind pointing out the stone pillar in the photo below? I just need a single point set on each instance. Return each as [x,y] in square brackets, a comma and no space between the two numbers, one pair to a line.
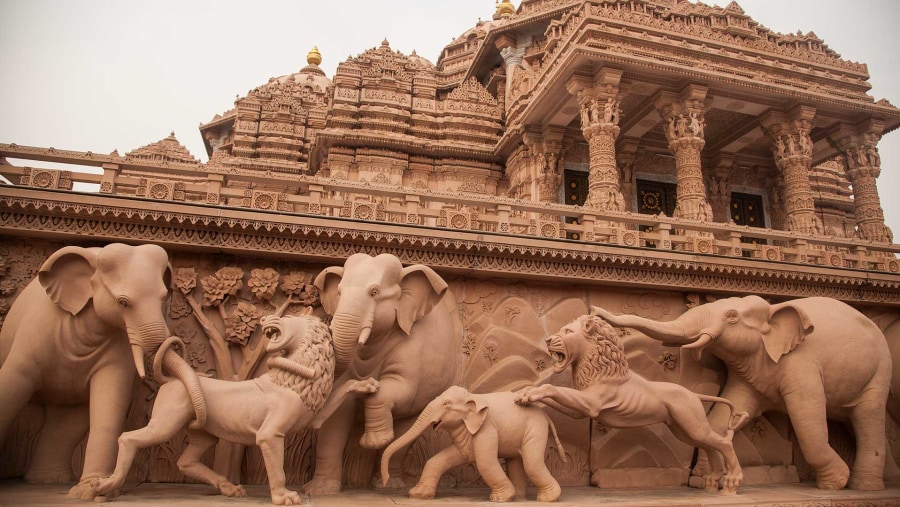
[793,149]
[545,155]
[598,99]
[684,127]
[863,165]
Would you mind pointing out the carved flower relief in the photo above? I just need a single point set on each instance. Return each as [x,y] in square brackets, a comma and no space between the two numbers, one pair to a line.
[241,323]
[668,360]
[179,307]
[263,283]
[7,287]
[185,279]
[226,281]
[468,344]
[294,285]
[490,350]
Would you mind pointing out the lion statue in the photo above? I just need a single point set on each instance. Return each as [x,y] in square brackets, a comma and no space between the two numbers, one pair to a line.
[291,396]
[610,393]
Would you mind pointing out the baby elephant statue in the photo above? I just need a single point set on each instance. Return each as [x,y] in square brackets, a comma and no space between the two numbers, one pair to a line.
[290,397]
[484,427]
[610,393]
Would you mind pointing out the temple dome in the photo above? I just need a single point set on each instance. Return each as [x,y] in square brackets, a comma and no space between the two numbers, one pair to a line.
[505,8]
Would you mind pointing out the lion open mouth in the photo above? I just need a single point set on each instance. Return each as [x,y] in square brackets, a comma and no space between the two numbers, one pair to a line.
[557,350]
[273,329]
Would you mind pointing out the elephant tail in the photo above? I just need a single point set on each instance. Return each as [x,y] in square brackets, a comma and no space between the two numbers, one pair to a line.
[559,446]
[738,417]
[169,360]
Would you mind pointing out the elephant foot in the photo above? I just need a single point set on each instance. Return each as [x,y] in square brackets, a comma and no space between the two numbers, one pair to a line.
[284,496]
[504,494]
[834,476]
[235,490]
[865,482]
[376,439]
[550,493]
[50,476]
[421,492]
[84,490]
[322,487]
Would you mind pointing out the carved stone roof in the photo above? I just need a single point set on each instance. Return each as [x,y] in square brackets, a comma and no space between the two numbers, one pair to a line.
[163,151]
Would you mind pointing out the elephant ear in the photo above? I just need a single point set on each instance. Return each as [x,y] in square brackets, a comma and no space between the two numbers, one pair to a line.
[327,282]
[421,288]
[788,326]
[66,276]
[477,413]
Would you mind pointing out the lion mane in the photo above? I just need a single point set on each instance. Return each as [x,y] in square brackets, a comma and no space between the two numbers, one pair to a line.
[313,350]
[605,357]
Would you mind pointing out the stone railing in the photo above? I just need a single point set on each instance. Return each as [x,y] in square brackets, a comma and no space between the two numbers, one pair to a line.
[374,202]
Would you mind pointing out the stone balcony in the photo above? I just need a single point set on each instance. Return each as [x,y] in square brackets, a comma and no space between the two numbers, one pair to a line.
[216,208]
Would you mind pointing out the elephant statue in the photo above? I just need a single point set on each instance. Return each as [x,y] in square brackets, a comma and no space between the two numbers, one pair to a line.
[399,325]
[485,427]
[811,358]
[73,341]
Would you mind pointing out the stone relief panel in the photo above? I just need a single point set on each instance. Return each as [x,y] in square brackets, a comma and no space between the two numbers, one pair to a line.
[216,304]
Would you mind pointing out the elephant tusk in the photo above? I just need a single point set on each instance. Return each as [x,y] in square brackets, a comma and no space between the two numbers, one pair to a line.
[364,335]
[138,353]
[698,344]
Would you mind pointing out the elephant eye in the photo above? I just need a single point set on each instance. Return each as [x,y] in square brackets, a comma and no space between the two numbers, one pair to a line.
[374,291]
[123,301]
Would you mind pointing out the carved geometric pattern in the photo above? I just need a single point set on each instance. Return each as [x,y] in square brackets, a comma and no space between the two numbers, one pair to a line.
[163,190]
[107,221]
[46,178]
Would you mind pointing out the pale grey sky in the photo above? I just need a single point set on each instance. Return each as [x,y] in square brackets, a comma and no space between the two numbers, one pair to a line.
[100,75]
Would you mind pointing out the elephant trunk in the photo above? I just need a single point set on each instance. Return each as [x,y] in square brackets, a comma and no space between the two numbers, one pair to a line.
[145,340]
[168,360]
[676,332]
[346,333]
[428,417]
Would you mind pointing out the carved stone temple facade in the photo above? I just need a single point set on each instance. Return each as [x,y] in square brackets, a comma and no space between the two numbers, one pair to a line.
[646,156]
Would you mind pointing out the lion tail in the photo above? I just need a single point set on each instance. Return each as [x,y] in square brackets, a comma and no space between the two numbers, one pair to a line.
[738,417]
[559,446]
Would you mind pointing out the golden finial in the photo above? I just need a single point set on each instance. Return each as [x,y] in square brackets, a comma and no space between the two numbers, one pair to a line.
[314,57]
[505,7]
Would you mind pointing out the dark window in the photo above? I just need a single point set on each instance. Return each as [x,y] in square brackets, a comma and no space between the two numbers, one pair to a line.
[576,188]
[747,209]
[655,197]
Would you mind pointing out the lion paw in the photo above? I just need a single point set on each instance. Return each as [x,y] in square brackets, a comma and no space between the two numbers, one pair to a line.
[367,386]
[285,497]
[233,490]
[84,490]
[421,492]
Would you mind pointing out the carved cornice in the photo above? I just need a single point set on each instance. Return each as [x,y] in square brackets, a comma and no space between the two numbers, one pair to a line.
[65,216]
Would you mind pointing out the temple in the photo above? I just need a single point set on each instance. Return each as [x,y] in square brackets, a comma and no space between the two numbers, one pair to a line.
[649,154]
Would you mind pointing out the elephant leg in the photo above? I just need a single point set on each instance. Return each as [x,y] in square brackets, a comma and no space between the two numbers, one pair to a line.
[379,407]
[331,440]
[536,468]
[17,383]
[64,428]
[868,419]
[806,408]
[516,471]
[434,469]
[199,442]
[110,396]
[486,448]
